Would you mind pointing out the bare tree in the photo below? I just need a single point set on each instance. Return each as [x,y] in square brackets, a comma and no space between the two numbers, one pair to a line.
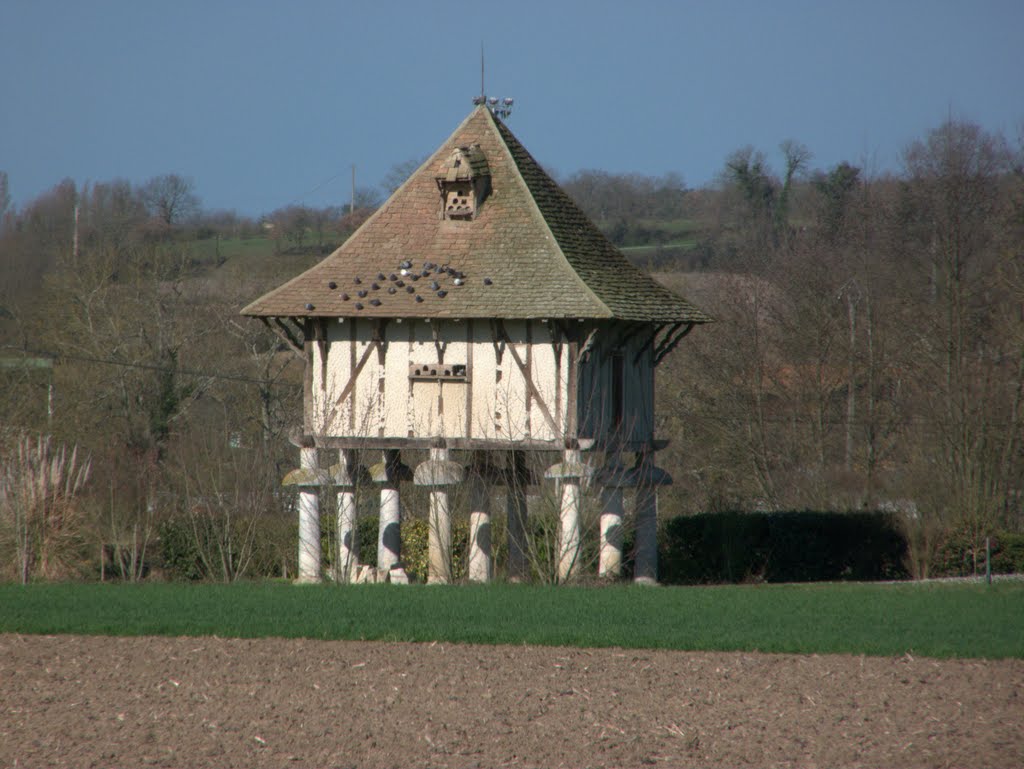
[955,195]
[170,198]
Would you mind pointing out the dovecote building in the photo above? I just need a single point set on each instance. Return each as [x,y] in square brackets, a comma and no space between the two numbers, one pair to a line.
[479,311]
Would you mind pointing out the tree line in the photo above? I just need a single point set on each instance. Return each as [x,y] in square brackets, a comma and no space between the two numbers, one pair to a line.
[868,351]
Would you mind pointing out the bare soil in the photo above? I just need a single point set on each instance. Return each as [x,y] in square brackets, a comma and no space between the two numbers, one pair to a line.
[73,701]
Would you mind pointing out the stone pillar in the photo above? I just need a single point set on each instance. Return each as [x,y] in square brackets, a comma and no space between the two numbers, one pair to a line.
[571,473]
[309,516]
[344,474]
[612,509]
[612,479]
[648,479]
[569,530]
[517,479]
[388,472]
[645,568]
[438,473]
[480,566]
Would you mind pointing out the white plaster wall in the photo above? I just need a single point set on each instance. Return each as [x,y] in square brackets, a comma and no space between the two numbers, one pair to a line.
[410,408]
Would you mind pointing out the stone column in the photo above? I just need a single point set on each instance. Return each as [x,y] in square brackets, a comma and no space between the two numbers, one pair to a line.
[648,479]
[569,530]
[388,472]
[517,479]
[571,473]
[612,510]
[480,566]
[613,478]
[309,516]
[438,473]
[348,542]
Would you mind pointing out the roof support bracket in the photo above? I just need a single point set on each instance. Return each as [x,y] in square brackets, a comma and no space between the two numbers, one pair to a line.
[287,335]
[670,340]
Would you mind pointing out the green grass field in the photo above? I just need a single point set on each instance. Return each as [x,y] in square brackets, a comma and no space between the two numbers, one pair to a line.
[947,620]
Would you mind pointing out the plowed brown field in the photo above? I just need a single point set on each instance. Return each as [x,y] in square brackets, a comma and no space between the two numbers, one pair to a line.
[73,701]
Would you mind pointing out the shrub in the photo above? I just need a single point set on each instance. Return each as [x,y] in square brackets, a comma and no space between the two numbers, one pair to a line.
[781,547]
[960,555]
[41,521]
[1008,553]
[271,549]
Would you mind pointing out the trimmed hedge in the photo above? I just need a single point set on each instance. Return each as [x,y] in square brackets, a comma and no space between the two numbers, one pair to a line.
[805,546]
[960,555]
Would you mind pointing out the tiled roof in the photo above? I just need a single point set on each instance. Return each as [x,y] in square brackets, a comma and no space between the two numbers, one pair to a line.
[528,252]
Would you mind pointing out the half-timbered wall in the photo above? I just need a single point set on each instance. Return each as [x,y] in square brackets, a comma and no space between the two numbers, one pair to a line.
[484,380]
[477,379]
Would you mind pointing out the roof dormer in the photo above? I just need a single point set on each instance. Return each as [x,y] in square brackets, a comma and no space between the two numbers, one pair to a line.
[464,181]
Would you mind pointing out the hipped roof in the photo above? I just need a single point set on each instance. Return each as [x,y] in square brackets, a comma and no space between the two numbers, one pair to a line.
[528,252]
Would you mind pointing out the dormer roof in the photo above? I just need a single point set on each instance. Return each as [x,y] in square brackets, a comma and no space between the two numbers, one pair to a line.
[528,251]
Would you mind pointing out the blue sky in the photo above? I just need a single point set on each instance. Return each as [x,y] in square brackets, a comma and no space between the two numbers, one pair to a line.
[265,104]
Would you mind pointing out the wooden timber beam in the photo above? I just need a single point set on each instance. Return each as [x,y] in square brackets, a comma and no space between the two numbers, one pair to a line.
[286,335]
[671,340]
[502,334]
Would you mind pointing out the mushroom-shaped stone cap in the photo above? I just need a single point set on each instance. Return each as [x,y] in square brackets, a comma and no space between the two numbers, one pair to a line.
[306,477]
[438,472]
[571,469]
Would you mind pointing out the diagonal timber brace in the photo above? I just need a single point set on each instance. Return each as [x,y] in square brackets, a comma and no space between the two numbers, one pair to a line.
[502,335]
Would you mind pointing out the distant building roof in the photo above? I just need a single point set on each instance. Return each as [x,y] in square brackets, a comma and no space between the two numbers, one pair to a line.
[526,250]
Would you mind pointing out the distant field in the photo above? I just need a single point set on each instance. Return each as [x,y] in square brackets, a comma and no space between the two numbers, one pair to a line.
[948,620]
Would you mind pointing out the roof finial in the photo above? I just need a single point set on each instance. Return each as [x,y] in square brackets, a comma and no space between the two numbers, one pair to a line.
[500,108]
